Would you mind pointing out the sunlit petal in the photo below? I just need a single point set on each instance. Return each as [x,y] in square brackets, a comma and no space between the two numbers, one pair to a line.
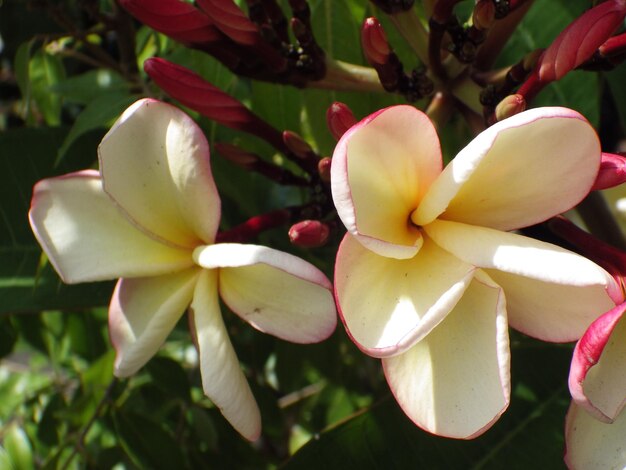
[155,165]
[518,172]
[142,313]
[222,378]
[87,238]
[455,382]
[275,292]
[597,378]
[592,444]
[381,168]
[388,304]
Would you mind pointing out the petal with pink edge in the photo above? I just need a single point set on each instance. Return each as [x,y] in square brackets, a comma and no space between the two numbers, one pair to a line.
[380,170]
[155,164]
[386,304]
[592,444]
[597,378]
[456,381]
[275,292]
[222,378]
[87,238]
[521,171]
[142,313]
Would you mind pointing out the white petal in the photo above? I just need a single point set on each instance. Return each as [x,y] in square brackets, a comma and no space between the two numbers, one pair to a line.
[521,171]
[548,311]
[222,378]
[388,304]
[381,168]
[155,165]
[592,444]
[87,238]
[598,374]
[142,313]
[456,382]
[277,296]
[516,254]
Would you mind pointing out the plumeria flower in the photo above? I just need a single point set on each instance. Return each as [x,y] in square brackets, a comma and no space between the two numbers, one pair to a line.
[429,277]
[150,217]
[595,427]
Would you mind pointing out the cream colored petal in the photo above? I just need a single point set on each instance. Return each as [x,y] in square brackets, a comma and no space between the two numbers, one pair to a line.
[387,304]
[87,238]
[516,254]
[597,377]
[222,378]
[456,381]
[155,165]
[276,292]
[142,313]
[381,168]
[549,311]
[520,171]
[592,444]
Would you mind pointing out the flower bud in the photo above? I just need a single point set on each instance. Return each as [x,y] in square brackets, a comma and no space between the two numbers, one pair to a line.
[237,155]
[339,119]
[309,233]
[612,172]
[298,145]
[510,106]
[484,14]
[229,19]
[578,42]
[374,42]
[323,166]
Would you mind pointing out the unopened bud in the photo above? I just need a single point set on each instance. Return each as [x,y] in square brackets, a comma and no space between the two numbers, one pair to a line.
[339,119]
[510,106]
[233,22]
[580,40]
[297,145]
[612,172]
[323,166]
[309,233]
[484,14]
[237,155]
[374,42]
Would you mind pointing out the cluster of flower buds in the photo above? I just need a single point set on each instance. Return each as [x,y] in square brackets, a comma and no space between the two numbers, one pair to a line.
[256,46]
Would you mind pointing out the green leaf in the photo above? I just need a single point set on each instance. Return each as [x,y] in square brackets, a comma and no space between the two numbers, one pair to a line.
[45,71]
[22,72]
[85,88]
[26,156]
[18,448]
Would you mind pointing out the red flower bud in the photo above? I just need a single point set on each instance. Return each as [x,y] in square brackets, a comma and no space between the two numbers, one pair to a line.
[339,119]
[374,42]
[179,20]
[612,171]
[323,166]
[581,39]
[484,14]
[309,233]
[298,146]
[233,22]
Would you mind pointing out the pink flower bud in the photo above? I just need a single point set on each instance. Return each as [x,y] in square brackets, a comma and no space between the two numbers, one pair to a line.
[612,171]
[339,119]
[179,20]
[233,22]
[323,166]
[581,39]
[510,106]
[298,145]
[374,42]
[309,233]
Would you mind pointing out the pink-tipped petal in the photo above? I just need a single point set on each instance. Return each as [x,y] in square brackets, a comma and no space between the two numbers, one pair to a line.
[597,379]
[592,444]
[155,164]
[381,167]
[275,292]
[222,378]
[552,294]
[520,171]
[386,304]
[142,313]
[87,238]
[456,381]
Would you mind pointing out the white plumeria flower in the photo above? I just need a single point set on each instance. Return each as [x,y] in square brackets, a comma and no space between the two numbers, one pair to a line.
[428,277]
[149,217]
[595,428]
